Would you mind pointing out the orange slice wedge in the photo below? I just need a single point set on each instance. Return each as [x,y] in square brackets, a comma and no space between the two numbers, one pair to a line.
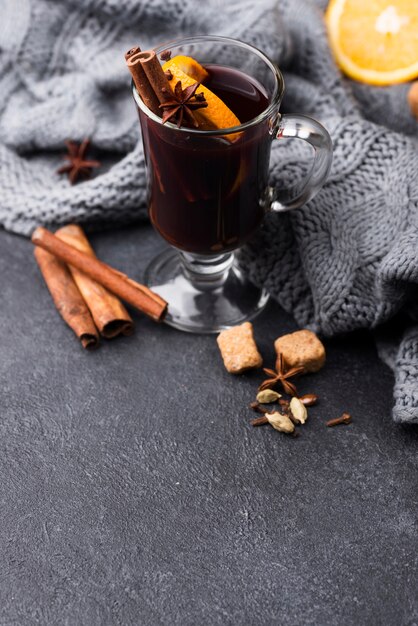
[191,67]
[216,114]
[375,42]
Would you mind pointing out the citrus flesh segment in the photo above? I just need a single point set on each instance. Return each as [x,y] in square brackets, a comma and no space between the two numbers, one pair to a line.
[375,41]
[216,114]
[191,67]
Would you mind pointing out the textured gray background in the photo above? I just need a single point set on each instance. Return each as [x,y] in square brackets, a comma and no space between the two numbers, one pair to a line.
[134,491]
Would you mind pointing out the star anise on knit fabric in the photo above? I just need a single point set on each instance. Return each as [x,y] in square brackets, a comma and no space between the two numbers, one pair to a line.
[281,375]
[184,102]
[78,166]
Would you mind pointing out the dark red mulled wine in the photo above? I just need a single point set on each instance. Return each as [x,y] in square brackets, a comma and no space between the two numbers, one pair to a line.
[206,192]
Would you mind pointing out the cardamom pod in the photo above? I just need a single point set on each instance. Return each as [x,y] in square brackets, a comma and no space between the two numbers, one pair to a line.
[267,395]
[298,409]
[280,422]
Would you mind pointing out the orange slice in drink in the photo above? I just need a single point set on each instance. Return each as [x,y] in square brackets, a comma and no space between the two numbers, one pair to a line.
[377,41]
[188,71]
[190,66]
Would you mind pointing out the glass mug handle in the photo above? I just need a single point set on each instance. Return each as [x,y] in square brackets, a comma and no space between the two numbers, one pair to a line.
[308,129]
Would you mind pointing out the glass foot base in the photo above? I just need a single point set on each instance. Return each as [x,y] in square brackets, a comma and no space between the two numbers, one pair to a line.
[205,302]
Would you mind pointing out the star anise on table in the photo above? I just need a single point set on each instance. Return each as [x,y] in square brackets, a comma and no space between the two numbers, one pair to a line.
[281,375]
[78,166]
[184,102]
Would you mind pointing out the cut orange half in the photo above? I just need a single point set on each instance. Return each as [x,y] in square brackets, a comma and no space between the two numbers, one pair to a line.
[216,114]
[375,41]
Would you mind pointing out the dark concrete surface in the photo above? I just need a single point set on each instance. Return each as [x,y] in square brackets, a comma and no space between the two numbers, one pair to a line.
[134,490]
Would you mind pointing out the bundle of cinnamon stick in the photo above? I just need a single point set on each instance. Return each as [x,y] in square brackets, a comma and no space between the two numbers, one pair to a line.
[86,291]
[149,78]
[169,101]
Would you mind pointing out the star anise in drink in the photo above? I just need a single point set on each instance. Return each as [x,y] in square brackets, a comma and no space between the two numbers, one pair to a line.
[281,375]
[165,55]
[78,166]
[184,102]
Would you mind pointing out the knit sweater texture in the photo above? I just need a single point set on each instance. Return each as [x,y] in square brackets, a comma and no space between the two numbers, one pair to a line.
[346,260]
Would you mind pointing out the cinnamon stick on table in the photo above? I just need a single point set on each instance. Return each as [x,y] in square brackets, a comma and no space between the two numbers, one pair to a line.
[109,314]
[118,283]
[67,298]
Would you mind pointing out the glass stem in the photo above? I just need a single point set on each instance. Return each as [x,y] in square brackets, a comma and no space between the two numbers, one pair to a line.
[206,272]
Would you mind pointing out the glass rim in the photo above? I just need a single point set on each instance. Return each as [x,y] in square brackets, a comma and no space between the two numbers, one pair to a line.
[275,99]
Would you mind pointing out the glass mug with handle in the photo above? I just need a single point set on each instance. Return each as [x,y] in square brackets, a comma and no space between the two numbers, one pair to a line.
[208,189]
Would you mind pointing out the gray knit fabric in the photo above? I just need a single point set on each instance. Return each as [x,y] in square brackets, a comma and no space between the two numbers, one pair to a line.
[347,260]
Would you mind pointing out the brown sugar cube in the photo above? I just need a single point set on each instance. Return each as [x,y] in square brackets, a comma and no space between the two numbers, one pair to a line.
[301,348]
[238,348]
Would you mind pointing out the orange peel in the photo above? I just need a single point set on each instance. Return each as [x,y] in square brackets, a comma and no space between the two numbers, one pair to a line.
[216,114]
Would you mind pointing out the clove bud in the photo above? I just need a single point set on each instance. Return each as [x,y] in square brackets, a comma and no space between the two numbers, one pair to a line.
[344,419]
[258,408]
[259,421]
[309,399]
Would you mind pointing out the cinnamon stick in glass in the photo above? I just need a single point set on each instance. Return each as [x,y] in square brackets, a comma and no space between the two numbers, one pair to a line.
[131,52]
[109,314]
[146,89]
[142,84]
[151,76]
[118,283]
[67,298]
[156,76]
